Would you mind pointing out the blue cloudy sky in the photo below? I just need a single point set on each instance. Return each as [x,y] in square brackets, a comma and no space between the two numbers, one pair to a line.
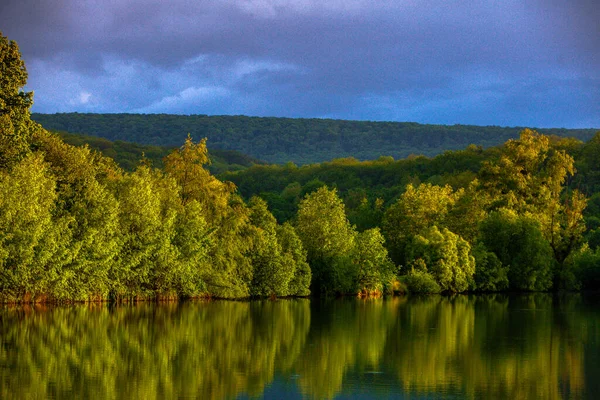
[496,62]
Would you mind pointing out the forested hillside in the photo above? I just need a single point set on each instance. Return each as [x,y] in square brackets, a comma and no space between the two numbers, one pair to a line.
[302,141]
[368,188]
[128,155]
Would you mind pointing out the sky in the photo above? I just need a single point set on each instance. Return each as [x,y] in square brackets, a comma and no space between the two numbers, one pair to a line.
[533,63]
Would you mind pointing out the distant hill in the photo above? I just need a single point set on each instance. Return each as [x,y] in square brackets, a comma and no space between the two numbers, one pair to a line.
[279,140]
[128,155]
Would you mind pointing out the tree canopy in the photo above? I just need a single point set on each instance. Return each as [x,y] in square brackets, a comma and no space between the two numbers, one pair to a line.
[75,226]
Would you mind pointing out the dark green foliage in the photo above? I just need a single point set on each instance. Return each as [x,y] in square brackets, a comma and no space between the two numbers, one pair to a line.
[421,281]
[593,238]
[294,254]
[518,243]
[490,274]
[279,140]
[366,187]
[588,167]
[363,212]
[128,155]
[587,268]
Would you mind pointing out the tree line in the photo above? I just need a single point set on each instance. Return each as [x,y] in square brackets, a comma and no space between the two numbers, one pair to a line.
[302,141]
[538,191]
[128,155]
[77,227]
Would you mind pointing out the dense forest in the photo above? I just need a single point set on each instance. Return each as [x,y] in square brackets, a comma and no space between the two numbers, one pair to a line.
[128,155]
[302,141]
[75,226]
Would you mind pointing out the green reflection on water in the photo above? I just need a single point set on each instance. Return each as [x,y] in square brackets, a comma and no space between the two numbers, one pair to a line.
[497,346]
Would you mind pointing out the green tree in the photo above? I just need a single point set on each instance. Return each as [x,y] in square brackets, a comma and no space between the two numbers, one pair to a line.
[530,177]
[15,123]
[587,267]
[148,262]
[193,240]
[518,242]
[490,274]
[85,182]
[294,253]
[419,280]
[186,165]
[230,272]
[375,271]
[447,258]
[468,211]
[328,238]
[228,233]
[416,210]
[31,238]
[272,275]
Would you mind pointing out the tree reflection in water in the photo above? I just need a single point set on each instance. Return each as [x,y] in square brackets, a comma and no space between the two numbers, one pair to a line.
[496,346]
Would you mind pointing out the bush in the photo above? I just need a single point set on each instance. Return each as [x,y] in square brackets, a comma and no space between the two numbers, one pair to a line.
[587,267]
[421,282]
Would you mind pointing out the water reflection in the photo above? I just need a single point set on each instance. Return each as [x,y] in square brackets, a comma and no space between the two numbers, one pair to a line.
[497,346]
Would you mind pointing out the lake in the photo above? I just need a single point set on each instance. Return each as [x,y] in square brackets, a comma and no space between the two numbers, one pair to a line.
[537,346]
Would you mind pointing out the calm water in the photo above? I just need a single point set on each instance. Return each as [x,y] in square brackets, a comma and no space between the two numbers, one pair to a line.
[497,346]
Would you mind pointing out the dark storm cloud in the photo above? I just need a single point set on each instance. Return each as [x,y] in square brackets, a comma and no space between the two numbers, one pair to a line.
[496,62]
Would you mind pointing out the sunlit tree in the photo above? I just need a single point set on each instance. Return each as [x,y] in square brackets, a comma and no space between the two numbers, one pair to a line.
[447,258]
[329,238]
[530,177]
[15,124]
[416,210]
[186,165]
[29,235]
[375,270]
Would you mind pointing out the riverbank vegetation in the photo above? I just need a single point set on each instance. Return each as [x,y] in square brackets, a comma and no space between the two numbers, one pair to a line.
[75,226]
